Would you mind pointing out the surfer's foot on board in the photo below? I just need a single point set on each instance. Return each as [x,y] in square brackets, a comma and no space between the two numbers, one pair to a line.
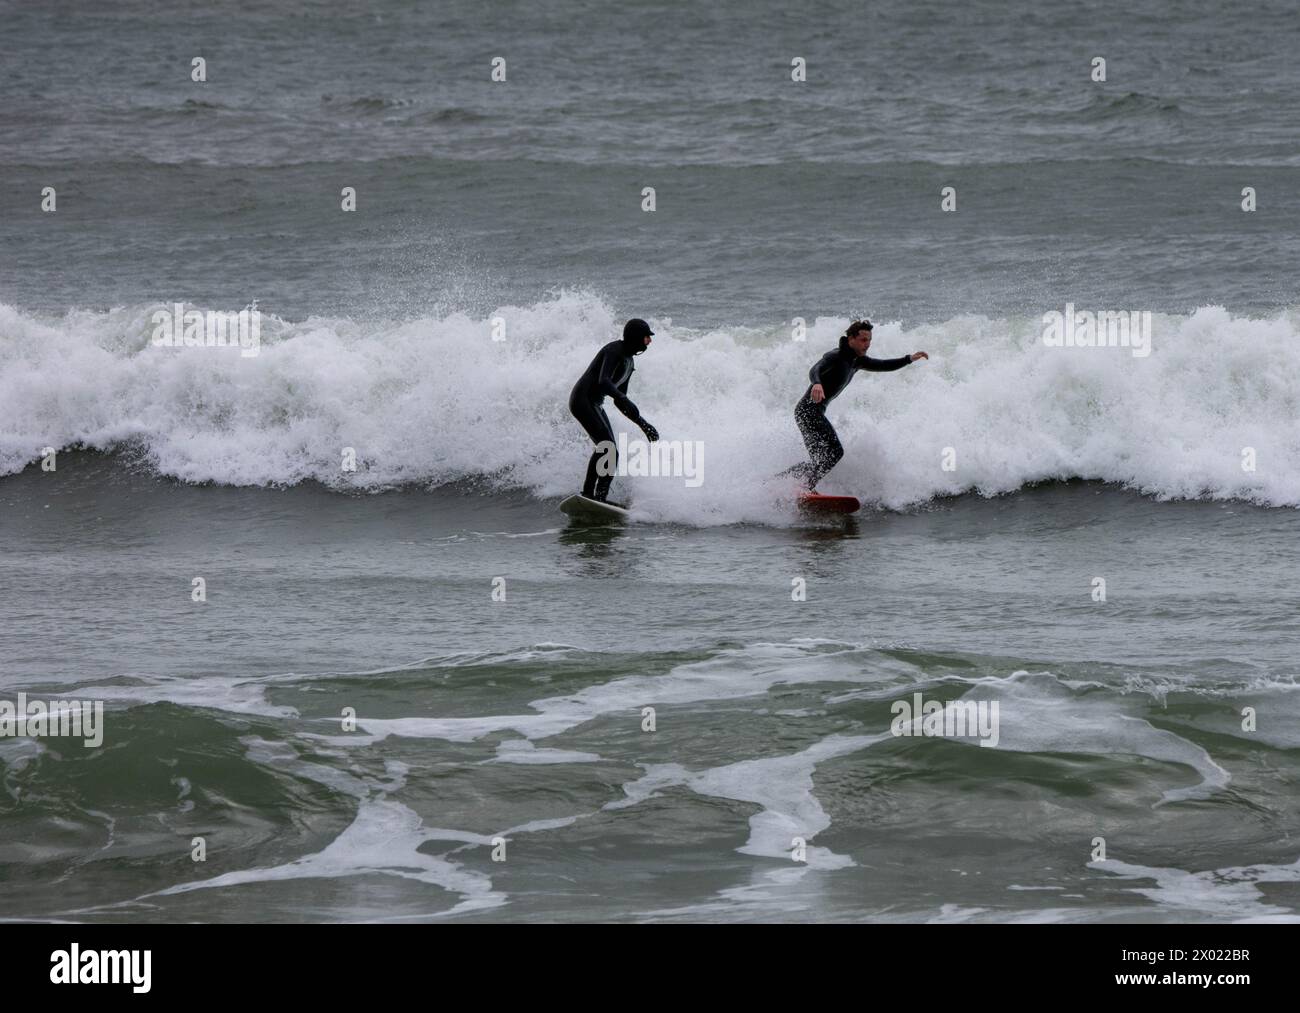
[803,473]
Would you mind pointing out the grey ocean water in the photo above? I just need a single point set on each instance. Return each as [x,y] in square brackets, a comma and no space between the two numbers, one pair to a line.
[524,718]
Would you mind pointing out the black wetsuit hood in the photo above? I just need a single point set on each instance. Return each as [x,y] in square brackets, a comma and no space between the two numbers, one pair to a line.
[635,332]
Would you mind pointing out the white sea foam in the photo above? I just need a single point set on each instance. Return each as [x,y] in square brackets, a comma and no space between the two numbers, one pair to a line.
[730,675]
[1214,893]
[1037,715]
[435,400]
[781,785]
[384,839]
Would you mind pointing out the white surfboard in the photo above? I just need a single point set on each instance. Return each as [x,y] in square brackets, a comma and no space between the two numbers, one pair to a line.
[587,509]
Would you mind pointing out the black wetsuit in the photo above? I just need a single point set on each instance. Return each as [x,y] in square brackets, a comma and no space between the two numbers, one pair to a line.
[833,371]
[607,376]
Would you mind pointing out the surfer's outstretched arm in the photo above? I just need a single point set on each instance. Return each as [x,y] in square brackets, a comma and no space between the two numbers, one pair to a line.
[881,365]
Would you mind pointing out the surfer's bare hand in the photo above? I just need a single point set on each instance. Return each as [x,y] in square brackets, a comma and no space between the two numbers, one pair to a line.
[817,394]
[920,355]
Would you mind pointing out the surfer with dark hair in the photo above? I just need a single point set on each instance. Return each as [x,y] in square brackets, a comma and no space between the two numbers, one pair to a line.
[608,376]
[829,376]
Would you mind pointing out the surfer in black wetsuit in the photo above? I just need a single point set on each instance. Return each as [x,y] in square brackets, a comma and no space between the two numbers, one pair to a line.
[830,375]
[608,376]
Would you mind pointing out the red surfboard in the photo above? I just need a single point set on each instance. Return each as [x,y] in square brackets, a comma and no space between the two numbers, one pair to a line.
[814,502]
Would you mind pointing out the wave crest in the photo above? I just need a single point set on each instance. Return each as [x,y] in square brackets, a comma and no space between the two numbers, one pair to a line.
[436,399]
